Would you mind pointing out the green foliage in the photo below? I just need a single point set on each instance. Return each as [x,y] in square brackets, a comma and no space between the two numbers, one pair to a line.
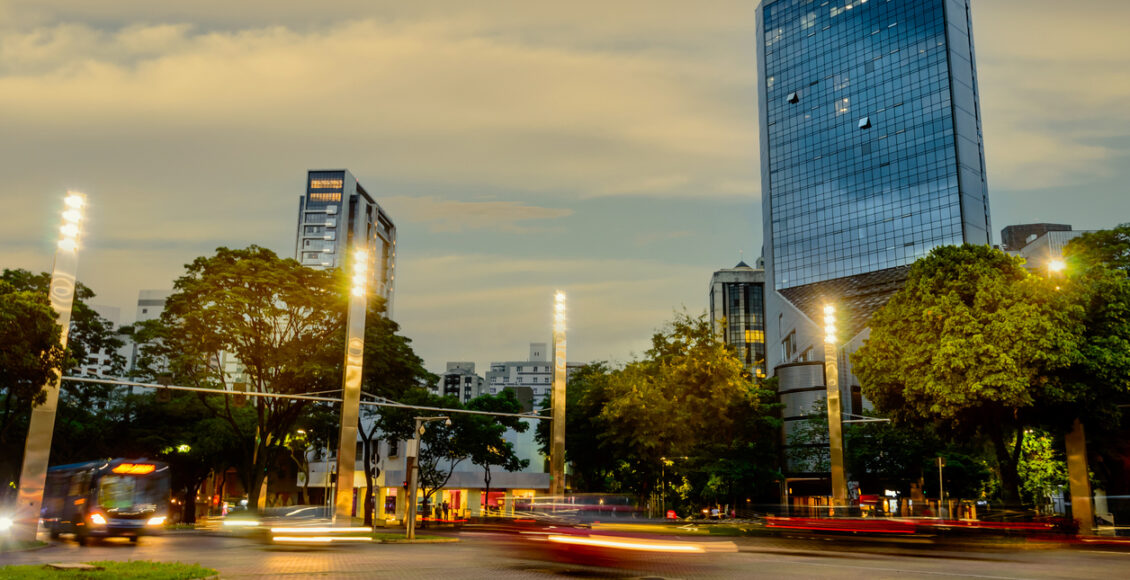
[687,416]
[29,349]
[30,355]
[1043,470]
[112,570]
[971,343]
[282,321]
[391,369]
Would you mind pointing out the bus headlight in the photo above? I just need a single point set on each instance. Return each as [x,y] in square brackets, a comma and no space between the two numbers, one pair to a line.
[5,524]
[97,519]
[156,521]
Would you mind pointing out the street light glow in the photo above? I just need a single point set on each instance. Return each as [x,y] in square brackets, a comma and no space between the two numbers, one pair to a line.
[829,323]
[1056,265]
[360,270]
[559,312]
[74,203]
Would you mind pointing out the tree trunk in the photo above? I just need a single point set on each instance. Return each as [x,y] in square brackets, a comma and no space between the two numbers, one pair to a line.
[189,514]
[367,458]
[1008,464]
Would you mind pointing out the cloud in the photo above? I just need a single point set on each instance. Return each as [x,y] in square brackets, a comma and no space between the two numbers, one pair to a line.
[413,96]
[445,215]
[1049,105]
[487,307]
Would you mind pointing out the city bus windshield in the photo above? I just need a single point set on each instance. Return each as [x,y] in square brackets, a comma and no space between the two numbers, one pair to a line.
[129,493]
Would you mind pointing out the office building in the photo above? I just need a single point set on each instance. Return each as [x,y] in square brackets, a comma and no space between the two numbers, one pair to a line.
[737,312]
[531,379]
[871,156]
[334,213]
[460,381]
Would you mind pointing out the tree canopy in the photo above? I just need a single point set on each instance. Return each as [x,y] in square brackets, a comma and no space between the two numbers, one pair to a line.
[281,321]
[971,343]
[688,412]
[30,354]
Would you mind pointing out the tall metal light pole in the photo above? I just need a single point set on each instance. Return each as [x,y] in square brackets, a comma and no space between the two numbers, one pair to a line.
[557,448]
[412,464]
[351,390]
[835,427]
[37,448]
[1079,483]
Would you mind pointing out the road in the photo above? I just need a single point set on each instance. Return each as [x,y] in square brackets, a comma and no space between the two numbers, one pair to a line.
[483,556]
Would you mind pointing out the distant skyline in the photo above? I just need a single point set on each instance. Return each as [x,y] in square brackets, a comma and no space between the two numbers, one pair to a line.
[609,150]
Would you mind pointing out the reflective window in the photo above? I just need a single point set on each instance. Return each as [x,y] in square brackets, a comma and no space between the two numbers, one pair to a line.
[862,161]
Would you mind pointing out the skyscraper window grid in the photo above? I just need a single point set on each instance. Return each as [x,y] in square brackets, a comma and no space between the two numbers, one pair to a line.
[849,200]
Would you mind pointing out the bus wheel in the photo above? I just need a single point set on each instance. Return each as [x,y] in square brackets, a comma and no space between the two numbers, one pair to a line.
[53,532]
[82,539]
[134,539]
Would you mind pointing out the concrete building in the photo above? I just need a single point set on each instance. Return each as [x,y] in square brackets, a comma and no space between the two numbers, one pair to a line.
[737,312]
[1040,244]
[531,379]
[871,156]
[460,381]
[333,215]
[1015,237]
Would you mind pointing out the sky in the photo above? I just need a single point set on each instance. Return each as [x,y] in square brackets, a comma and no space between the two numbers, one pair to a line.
[608,149]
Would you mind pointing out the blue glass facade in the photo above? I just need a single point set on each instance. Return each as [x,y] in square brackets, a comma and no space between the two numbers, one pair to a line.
[871,145]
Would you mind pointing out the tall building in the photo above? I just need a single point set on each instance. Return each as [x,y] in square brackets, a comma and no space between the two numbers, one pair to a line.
[336,211]
[871,156]
[737,312]
[460,381]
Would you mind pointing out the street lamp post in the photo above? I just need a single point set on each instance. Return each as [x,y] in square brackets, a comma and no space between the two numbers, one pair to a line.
[413,466]
[37,448]
[351,390]
[557,449]
[835,427]
[1075,442]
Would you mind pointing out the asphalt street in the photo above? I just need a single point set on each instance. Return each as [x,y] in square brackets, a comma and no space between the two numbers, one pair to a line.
[497,557]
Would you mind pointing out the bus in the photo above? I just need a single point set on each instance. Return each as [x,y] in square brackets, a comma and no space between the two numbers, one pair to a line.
[98,499]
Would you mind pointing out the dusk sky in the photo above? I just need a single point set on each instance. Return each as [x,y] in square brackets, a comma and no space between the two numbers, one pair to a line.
[605,148]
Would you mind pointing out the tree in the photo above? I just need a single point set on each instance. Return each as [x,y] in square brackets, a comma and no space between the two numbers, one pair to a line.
[184,433]
[481,436]
[689,398]
[593,467]
[391,369]
[282,321]
[690,392]
[971,343]
[30,355]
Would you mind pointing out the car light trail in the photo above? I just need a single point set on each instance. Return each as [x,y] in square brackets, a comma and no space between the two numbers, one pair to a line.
[624,544]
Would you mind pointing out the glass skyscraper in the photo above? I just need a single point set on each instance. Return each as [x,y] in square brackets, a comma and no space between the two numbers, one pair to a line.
[871,156]
[871,151]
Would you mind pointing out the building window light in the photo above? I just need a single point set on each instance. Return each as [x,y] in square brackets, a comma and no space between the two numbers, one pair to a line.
[865,123]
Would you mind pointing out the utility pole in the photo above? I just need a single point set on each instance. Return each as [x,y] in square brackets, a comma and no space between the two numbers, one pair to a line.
[412,464]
